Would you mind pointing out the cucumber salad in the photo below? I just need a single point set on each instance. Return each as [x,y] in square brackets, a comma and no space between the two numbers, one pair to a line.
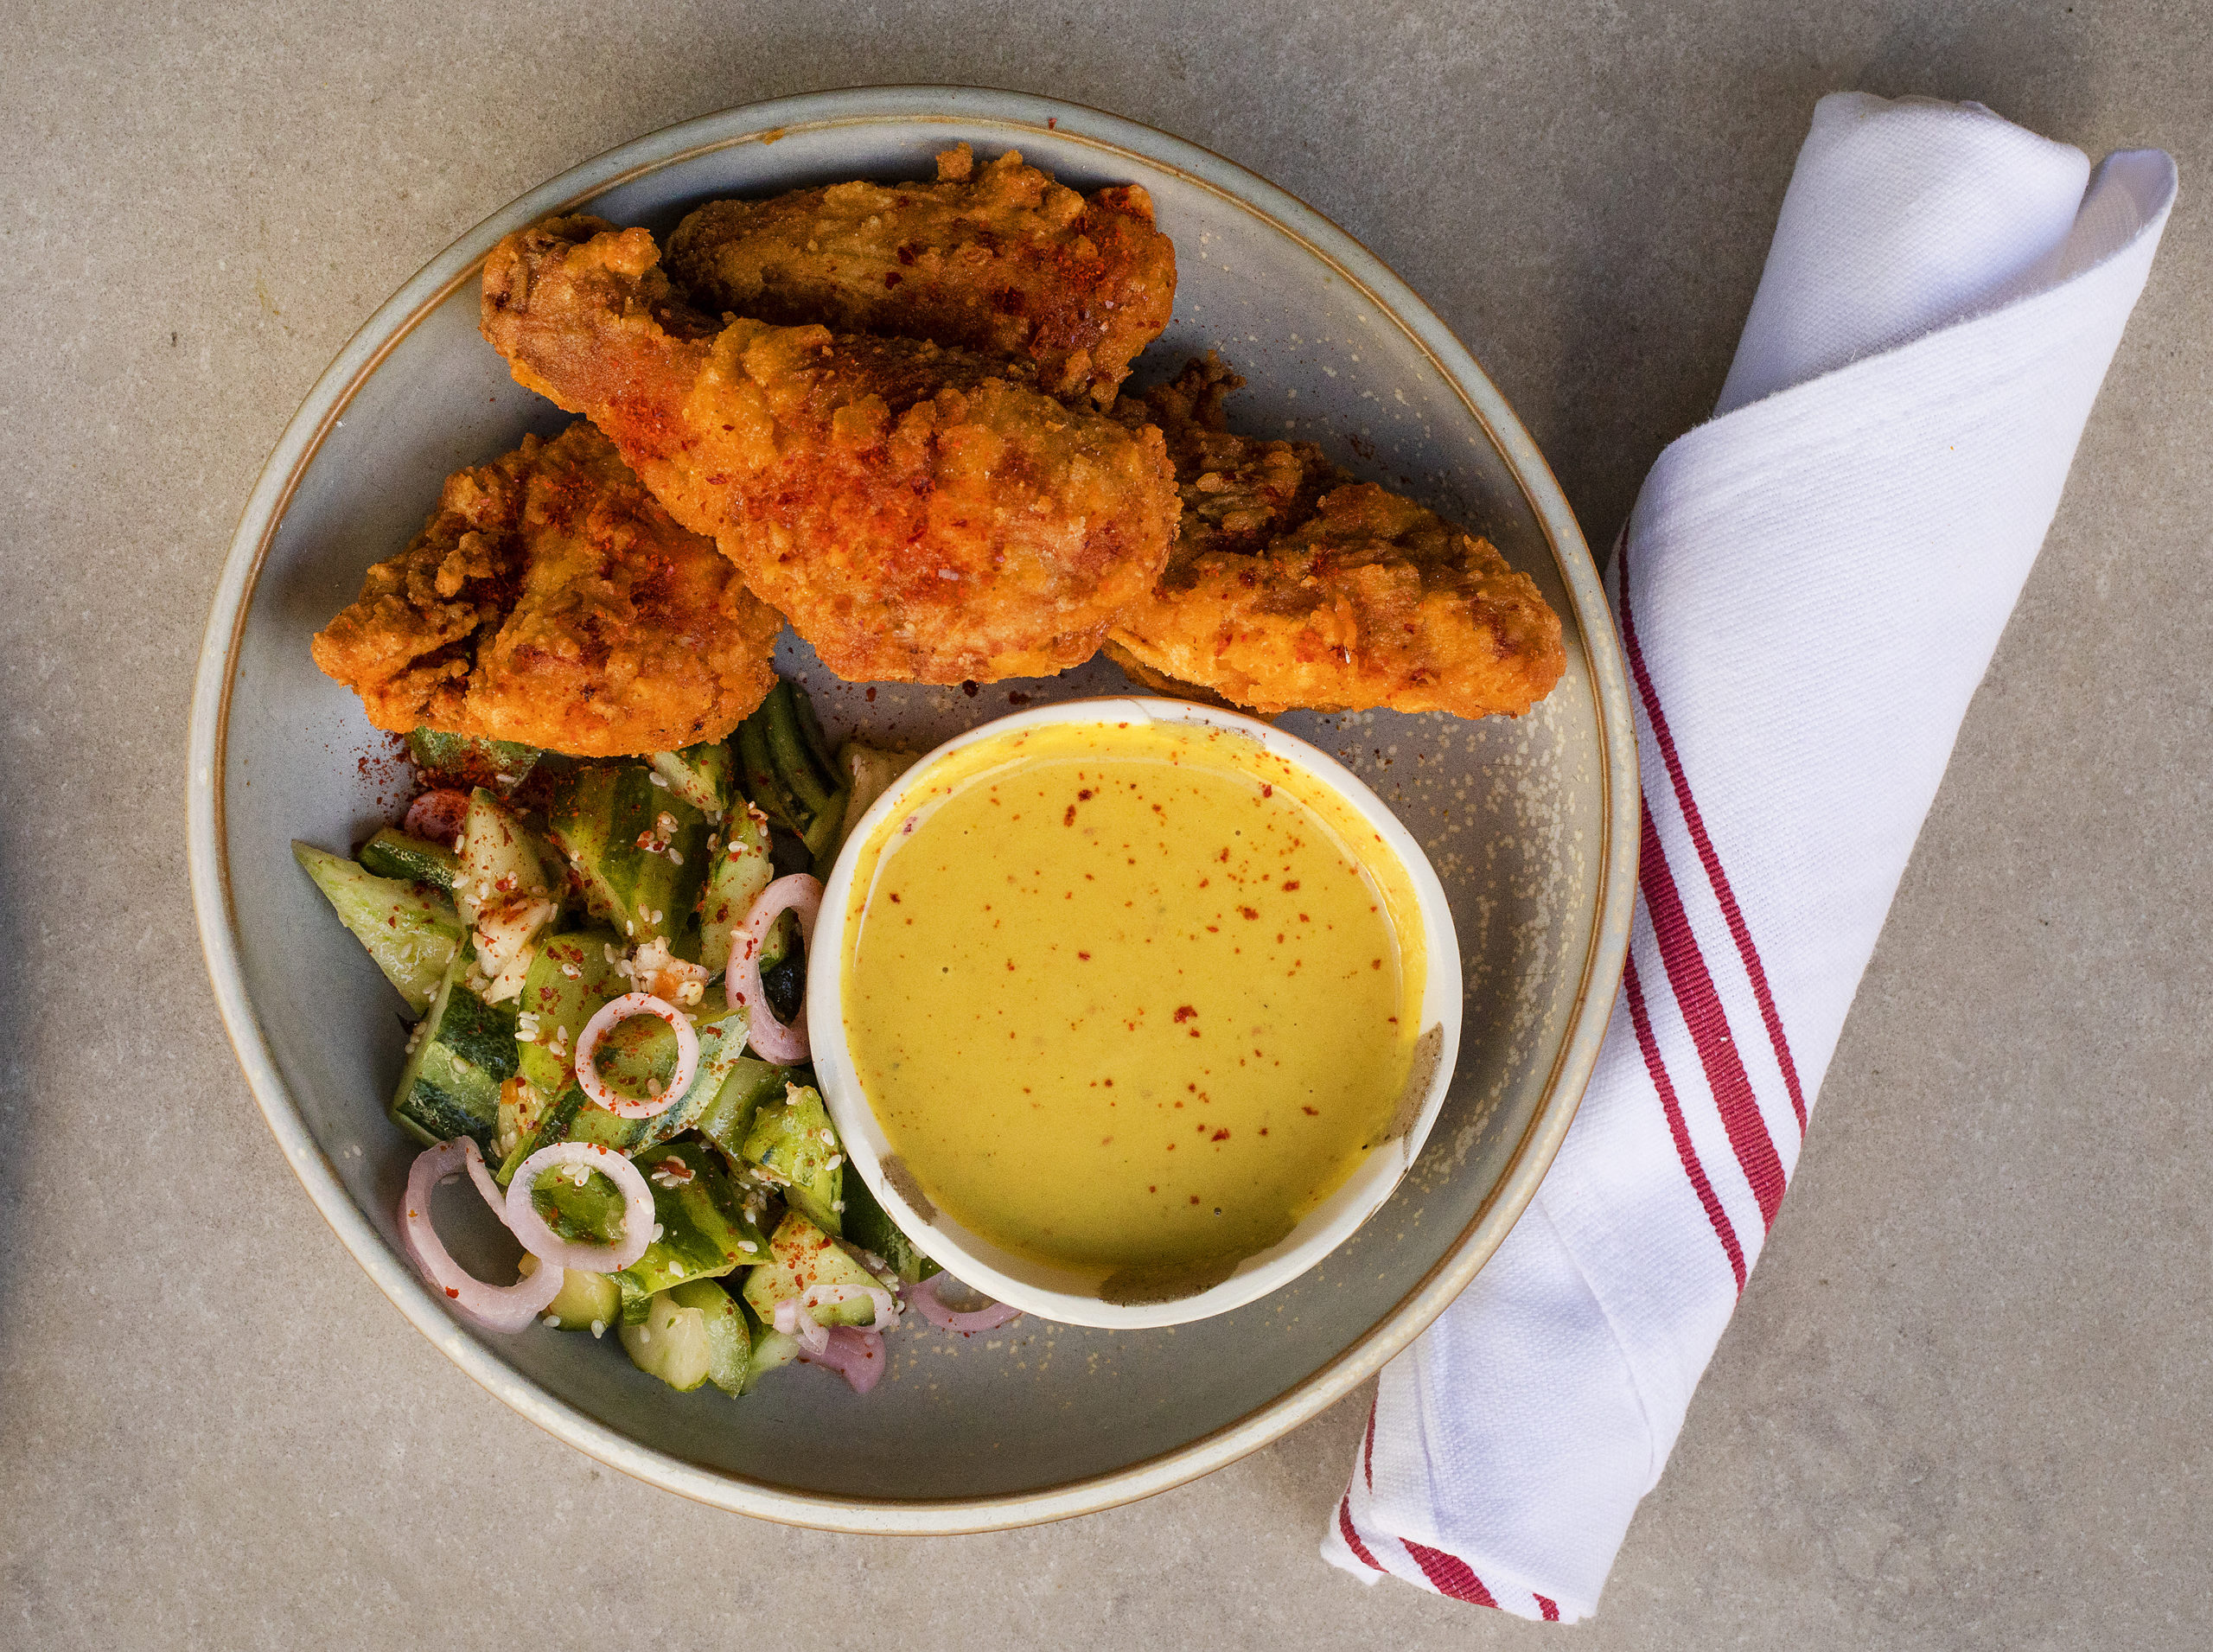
[608,974]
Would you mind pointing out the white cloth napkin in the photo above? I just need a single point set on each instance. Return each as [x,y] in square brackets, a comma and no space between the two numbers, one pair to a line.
[1809,592]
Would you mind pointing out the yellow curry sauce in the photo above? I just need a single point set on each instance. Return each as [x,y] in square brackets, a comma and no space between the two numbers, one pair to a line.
[1130,997]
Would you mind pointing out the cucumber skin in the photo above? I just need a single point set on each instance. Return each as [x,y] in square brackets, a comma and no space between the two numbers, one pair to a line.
[763,785]
[749,1082]
[730,1339]
[596,824]
[564,1003]
[741,870]
[443,1094]
[704,1233]
[412,933]
[392,854]
[869,1225]
[471,759]
[704,775]
[787,1140]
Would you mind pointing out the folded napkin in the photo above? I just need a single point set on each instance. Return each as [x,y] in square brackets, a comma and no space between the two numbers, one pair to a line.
[1809,590]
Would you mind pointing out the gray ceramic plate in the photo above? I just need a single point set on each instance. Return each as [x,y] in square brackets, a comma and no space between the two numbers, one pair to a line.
[1531,826]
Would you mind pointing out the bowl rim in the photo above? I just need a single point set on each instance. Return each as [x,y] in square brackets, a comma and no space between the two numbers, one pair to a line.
[1110,136]
[1330,1223]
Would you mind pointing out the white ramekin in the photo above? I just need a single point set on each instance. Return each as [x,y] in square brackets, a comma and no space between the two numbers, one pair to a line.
[1035,1287]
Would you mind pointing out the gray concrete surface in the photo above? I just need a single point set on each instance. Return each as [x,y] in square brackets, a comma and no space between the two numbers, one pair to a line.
[1966,1402]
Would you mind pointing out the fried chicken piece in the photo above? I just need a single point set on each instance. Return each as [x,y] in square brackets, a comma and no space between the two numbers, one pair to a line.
[1003,262]
[551,600]
[921,513]
[1291,585]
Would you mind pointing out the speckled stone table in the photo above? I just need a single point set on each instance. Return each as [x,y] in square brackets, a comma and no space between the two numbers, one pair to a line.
[1966,1402]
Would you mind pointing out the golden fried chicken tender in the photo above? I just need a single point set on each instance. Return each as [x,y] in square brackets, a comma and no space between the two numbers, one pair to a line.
[551,600]
[1003,261]
[1292,585]
[919,513]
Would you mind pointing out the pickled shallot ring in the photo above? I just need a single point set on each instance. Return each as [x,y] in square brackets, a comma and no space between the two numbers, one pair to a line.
[924,1300]
[490,1307]
[621,1009]
[772,1040]
[541,1241]
[857,1356]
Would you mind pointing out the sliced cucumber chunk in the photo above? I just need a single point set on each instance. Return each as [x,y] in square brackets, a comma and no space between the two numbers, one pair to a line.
[823,1276]
[470,760]
[704,1230]
[793,1144]
[502,892]
[741,869]
[638,850]
[413,932]
[730,1340]
[704,776]
[869,1226]
[728,1118]
[393,854]
[670,1341]
[585,1301]
[772,1349]
[568,981]
[464,1050]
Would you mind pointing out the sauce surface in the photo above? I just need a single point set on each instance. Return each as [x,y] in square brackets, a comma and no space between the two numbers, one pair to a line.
[1129,996]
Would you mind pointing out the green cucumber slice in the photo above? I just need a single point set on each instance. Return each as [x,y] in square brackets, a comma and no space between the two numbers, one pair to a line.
[704,1230]
[464,1050]
[772,1349]
[806,1265]
[869,1227]
[740,869]
[726,1119]
[585,1301]
[704,776]
[730,1339]
[413,932]
[470,760]
[393,854]
[793,1143]
[638,850]
[670,1341]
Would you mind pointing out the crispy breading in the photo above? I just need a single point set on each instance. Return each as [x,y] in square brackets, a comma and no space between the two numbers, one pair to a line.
[1291,585]
[551,600]
[919,513]
[1003,261]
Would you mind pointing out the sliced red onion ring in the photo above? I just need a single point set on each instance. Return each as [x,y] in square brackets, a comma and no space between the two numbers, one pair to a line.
[794,1320]
[621,1009]
[773,1039]
[924,1300]
[541,1241]
[490,1307]
[439,815]
[857,1356]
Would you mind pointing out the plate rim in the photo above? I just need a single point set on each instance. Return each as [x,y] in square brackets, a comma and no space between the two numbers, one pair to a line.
[766,122]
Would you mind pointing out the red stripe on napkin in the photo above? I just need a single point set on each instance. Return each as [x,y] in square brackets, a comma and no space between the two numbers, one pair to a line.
[1449,1573]
[1723,1229]
[1709,1025]
[1696,823]
[1352,1537]
[1367,1447]
[1549,1608]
